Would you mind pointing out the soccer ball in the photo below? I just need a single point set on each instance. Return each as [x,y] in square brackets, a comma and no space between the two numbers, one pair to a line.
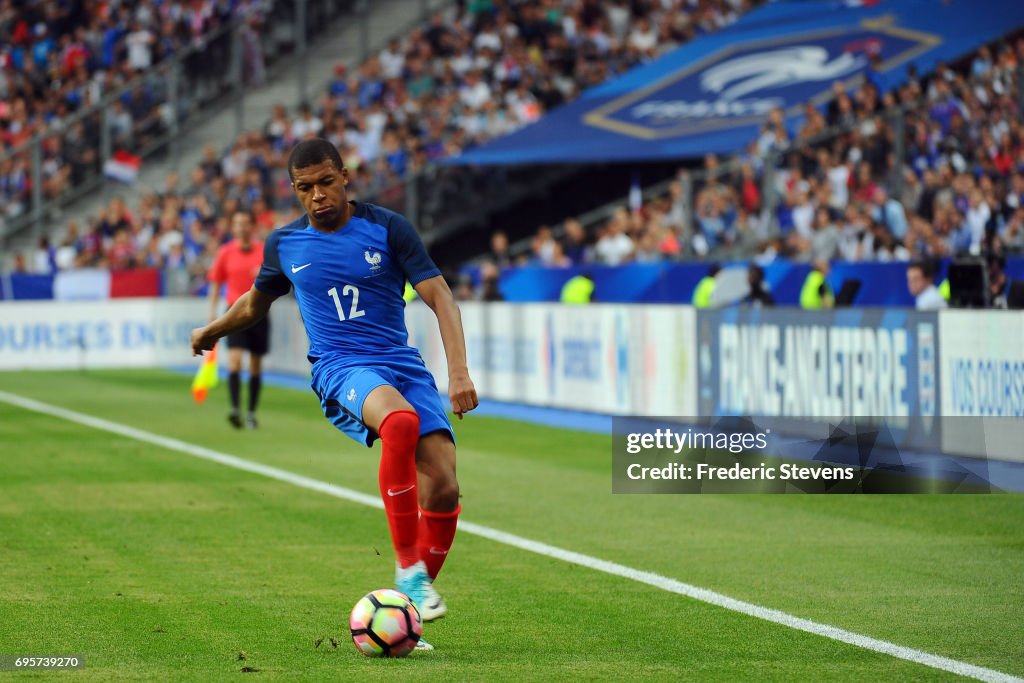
[385,623]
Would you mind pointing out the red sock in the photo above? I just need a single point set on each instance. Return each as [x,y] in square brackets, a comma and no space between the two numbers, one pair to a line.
[437,531]
[399,434]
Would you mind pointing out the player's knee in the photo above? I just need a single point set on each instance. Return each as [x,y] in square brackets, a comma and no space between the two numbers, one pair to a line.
[403,425]
[444,494]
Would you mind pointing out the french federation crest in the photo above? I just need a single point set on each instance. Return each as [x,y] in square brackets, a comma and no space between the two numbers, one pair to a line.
[739,84]
[373,259]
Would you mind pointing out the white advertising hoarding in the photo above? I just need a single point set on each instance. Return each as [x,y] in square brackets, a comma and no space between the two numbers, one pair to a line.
[981,355]
[620,359]
[101,334]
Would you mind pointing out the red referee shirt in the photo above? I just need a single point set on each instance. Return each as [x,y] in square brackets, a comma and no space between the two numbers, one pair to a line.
[237,267]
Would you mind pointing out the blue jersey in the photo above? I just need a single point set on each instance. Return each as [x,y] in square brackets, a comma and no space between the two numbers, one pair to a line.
[348,283]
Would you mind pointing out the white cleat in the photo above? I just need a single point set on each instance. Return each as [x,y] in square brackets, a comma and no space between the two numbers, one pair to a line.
[415,582]
[424,646]
[432,607]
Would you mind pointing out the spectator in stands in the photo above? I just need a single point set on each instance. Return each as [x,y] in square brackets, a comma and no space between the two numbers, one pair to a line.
[921,283]
[44,259]
[614,246]
[1013,232]
[463,288]
[251,13]
[211,164]
[544,248]
[824,243]
[490,289]
[648,247]
[574,242]
[976,220]
[887,247]
[121,255]
[306,125]
[122,127]
[19,266]
[889,212]
[749,192]
[500,255]
[67,251]
[854,237]
[140,42]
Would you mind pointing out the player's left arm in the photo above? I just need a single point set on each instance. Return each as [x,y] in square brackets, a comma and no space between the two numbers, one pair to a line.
[422,272]
[435,293]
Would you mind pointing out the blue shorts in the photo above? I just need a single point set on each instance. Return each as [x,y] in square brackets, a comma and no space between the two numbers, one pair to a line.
[343,386]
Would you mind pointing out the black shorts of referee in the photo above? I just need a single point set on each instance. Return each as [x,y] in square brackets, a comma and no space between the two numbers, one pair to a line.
[255,339]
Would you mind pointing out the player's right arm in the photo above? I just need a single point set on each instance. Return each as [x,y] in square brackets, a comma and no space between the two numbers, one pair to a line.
[250,308]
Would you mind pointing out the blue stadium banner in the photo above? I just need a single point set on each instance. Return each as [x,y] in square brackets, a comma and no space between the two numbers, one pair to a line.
[824,367]
[712,94]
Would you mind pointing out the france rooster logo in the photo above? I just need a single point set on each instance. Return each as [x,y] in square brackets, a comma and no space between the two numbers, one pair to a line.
[778,69]
[373,259]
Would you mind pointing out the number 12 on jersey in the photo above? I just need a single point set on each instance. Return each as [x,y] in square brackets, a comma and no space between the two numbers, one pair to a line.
[353,311]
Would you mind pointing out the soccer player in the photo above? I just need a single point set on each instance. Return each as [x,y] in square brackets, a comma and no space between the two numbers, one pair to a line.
[348,263]
[236,264]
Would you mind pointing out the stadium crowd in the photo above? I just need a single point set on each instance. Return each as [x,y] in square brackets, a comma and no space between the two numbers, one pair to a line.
[489,68]
[60,58]
[493,68]
[840,190]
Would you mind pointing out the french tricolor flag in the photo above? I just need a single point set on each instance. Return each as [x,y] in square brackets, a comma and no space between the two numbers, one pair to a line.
[123,167]
[90,284]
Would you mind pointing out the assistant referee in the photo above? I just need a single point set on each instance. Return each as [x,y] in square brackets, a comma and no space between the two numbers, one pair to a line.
[236,265]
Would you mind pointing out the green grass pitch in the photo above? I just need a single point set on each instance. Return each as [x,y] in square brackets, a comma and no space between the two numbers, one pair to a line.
[156,565]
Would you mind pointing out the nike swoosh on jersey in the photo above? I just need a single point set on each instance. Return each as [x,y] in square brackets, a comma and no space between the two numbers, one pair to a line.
[400,492]
[296,269]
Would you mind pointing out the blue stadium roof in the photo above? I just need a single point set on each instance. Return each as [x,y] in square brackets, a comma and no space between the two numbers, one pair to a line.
[711,94]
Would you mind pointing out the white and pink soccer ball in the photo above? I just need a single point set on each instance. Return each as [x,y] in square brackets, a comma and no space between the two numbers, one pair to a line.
[385,623]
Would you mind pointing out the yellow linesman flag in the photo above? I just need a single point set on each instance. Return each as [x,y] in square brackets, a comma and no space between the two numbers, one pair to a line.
[206,377]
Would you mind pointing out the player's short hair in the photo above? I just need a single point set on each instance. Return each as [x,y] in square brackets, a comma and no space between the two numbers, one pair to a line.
[312,152]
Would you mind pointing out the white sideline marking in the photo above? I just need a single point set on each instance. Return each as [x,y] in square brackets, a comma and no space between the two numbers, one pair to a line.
[613,568]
